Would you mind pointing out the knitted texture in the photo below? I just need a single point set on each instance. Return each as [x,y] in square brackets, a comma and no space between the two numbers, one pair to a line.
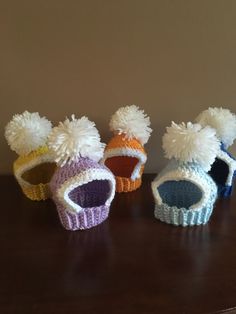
[33,173]
[126,159]
[184,194]
[223,172]
[82,192]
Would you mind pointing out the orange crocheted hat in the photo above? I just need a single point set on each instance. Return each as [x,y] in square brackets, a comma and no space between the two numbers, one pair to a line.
[125,155]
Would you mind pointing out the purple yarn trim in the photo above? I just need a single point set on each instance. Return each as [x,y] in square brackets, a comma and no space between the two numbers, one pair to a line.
[85,219]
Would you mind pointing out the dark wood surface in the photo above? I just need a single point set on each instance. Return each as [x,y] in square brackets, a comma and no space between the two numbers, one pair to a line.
[131,263]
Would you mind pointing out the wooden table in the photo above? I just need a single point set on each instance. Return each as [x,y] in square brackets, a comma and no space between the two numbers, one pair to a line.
[132,263]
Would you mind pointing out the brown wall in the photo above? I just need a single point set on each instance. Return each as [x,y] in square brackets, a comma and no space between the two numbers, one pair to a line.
[173,58]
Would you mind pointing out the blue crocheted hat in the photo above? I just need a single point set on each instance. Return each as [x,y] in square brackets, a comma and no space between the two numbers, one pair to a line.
[223,170]
[184,193]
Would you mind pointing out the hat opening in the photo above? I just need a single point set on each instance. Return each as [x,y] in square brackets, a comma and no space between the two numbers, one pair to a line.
[92,194]
[219,171]
[181,194]
[122,166]
[41,173]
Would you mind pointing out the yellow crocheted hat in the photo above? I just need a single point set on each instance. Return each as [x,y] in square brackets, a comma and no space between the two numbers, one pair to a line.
[27,134]
[125,155]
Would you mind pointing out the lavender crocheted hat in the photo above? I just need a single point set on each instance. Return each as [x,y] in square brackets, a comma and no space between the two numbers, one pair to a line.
[183,191]
[82,188]
[223,170]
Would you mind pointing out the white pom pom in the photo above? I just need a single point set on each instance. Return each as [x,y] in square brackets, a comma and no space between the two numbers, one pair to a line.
[132,122]
[73,139]
[222,120]
[191,143]
[27,132]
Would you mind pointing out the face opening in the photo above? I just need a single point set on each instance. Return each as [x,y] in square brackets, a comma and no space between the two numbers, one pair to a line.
[40,174]
[92,194]
[182,194]
[122,166]
[219,171]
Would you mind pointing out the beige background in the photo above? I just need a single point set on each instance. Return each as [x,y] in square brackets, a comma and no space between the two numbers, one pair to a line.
[173,58]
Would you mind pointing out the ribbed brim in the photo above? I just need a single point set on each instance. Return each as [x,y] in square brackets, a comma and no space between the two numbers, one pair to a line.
[183,217]
[38,192]
[127,185]
[87,218]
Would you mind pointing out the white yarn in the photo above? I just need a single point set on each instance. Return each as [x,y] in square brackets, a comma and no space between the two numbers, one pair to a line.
[222,120]
[27,132]
[191,143]
[133,122]
[73,139]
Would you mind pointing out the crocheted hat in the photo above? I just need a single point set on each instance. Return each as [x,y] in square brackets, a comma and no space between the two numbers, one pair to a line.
[223,170]
[27,134]
[124,154]
[82,188]
[184,193]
